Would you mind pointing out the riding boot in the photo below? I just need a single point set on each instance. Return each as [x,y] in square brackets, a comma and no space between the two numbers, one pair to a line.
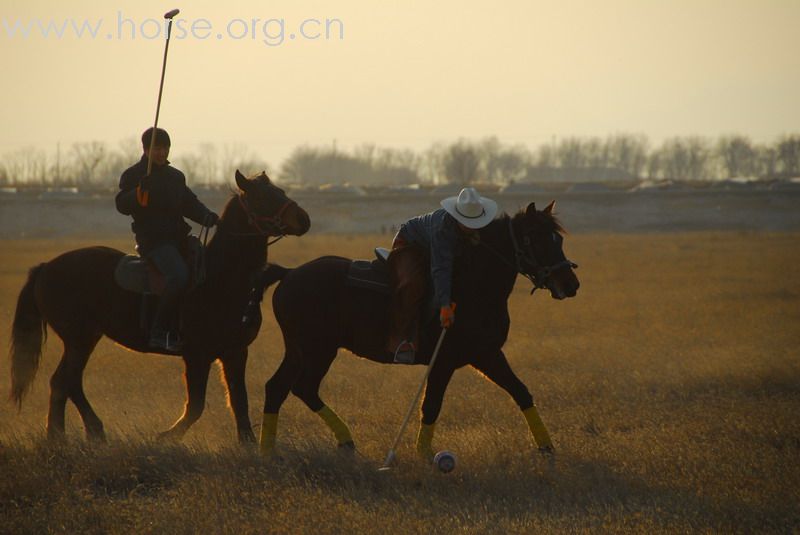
[252,312]
[161,336]
[408,281]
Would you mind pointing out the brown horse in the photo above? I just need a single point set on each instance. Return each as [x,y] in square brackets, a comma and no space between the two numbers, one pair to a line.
[76,295]
[319,310]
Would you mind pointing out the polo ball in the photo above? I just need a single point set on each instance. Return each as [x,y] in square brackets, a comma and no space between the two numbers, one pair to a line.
[445,461]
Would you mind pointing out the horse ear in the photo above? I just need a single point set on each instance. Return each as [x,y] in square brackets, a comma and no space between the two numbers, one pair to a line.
[241,181]
[265,175]
[549,208]
[531,209]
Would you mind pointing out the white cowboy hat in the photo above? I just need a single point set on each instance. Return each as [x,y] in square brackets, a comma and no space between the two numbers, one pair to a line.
[470,209]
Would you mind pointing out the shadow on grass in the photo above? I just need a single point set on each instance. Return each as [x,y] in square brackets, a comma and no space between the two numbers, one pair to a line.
[39,476]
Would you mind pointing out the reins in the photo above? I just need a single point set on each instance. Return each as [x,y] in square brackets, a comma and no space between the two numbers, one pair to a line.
[274,223]
[200,257]
[542,275]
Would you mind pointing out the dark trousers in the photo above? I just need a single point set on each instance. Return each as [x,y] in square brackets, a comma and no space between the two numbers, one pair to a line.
[171,264]
[408,273]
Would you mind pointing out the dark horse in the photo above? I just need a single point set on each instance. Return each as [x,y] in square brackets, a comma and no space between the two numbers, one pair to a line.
[76,295]
[319,312]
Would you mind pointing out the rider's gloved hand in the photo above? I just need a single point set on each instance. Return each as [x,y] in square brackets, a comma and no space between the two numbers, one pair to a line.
[143,192]
[447,316]
[211,219]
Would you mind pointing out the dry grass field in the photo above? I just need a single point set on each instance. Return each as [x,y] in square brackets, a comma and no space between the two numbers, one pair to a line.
[670,384]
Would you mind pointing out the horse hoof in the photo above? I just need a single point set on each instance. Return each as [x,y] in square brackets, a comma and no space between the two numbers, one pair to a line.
[347,447]
[97,438]
[247,438]
[168,436]
[56,437]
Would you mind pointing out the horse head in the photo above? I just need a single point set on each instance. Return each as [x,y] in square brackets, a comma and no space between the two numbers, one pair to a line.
[538,238]
[267,208]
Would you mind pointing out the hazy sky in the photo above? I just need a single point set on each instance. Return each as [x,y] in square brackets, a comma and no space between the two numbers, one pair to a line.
[400,74]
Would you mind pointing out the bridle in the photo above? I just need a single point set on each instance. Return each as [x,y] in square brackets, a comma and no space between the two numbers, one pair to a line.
[525,255]
[266,226]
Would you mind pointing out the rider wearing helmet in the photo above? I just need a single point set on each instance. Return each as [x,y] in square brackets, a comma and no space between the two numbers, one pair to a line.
[158,202]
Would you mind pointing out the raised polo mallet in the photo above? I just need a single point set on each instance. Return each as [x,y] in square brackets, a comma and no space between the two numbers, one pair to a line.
[169,15]
[391,455]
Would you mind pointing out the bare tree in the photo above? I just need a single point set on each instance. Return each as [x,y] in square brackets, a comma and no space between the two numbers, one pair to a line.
[570,153]
[595,153]
[766,161]
[392,166]
[654,166]
[309,165]
[737,156]
[432,163]
[501,164]
[207,172]
[87,157]
[462,163]
[27,165]
[546,156]
[628,152]
[788,153]
[366,152]
[684,159]
[191,163]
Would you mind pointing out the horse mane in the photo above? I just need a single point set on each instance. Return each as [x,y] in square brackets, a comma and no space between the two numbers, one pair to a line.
[548,220]
[225,246]
[233,194]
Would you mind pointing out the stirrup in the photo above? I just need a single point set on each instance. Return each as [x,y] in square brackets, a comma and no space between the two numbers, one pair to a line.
[405,353]
[167,341]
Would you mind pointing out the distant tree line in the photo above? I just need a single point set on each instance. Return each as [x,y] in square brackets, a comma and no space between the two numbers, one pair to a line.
[616,157]
[97,165]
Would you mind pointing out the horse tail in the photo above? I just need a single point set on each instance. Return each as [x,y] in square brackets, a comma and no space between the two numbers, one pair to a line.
[273,274]
[28,333]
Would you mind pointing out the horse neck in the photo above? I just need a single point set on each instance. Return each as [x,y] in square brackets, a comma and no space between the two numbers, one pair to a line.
[235,248]
[500,274]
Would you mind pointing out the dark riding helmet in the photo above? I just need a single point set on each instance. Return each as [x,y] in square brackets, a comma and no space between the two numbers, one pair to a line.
[162,138]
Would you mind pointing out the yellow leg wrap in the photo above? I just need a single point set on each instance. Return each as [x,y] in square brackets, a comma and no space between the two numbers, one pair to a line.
[538,430]
[269,428]
[424,439]
[339,428]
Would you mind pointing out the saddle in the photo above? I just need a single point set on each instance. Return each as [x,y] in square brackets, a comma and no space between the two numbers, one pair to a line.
[374,276]
[137,274]
[371,274]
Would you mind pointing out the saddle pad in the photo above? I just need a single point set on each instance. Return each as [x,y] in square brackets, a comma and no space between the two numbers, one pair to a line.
[370,275]
[131,274]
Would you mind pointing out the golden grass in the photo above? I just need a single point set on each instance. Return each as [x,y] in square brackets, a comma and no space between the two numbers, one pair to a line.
[671,387]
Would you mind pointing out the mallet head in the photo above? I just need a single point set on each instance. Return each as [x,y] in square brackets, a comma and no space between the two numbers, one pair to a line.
[171,14]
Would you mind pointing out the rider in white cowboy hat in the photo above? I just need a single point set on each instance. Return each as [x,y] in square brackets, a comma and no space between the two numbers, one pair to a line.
[430,238]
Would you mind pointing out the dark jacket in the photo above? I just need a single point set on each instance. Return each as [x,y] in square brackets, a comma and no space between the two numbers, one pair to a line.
[437,233]
[170,200]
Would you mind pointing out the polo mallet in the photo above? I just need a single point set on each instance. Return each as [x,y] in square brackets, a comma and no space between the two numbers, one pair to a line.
[391,455]
[169,15]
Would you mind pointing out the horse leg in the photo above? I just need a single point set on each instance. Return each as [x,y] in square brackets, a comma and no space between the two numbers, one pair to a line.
[276,390]
[196,376]
[431,406]
[233,367]
[498,371]
[67,383]
[307,389]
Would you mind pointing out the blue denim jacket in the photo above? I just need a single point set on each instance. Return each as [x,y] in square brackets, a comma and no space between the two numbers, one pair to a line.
[436,232]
